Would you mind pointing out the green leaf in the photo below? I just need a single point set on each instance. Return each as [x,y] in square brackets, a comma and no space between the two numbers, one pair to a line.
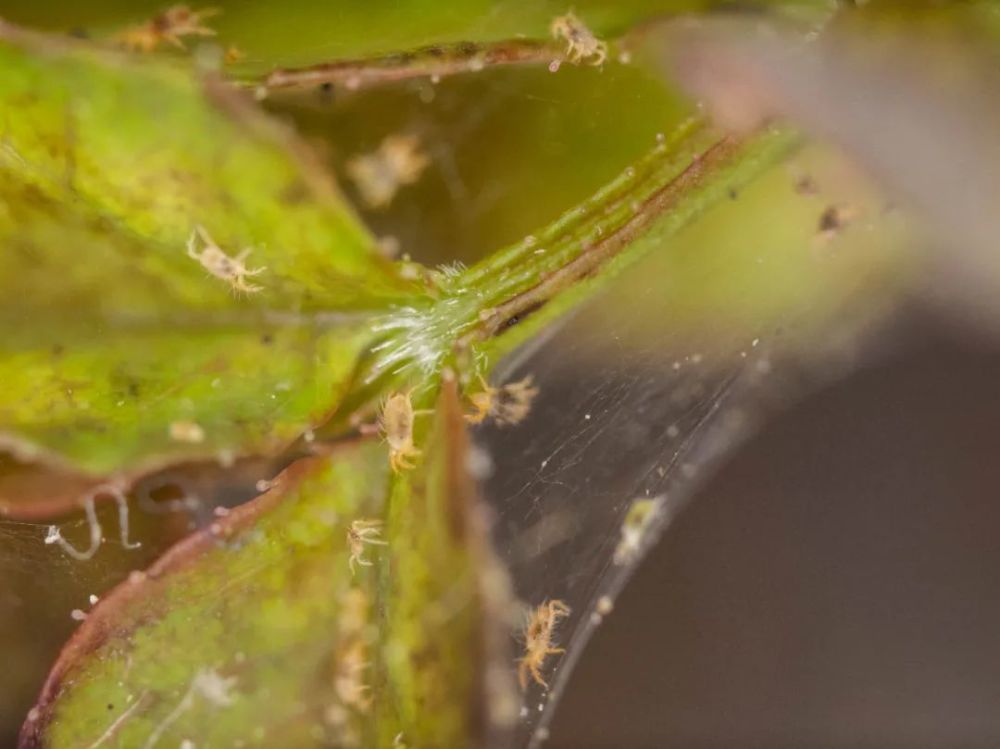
[264,596]
[446,602]
[273,34]
[257,630]
[134,401]
[146,151]
[113,336]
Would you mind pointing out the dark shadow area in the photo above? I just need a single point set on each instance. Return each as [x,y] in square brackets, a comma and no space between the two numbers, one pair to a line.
[835,585]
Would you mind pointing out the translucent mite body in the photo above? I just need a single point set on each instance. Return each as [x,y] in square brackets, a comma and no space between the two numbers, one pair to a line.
[360,533]
[398,161]
[233,270]
[581,44]
[538,640]
[395,422]
[506,405]
[169,26]
[640,517]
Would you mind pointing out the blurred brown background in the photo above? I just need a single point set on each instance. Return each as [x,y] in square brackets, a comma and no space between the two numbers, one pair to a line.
[835,585]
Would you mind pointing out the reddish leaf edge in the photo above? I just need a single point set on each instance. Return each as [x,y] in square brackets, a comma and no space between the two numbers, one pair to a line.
[101,620]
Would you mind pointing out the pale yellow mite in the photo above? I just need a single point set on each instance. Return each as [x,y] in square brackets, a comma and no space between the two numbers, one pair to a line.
[398,161]
[581,44]
[186,431]
[538,641]
[395,423]
[506,405]
[360,533]
[232,270]
[350,663]
[169,26]
[639,519]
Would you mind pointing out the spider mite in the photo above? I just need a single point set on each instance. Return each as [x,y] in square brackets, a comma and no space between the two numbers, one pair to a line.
[360,533]
[581,44]
[186,431]
[538,641]
[232,270]
[395,424]
[169,26]
[352,659]
[506,405]
[398,161]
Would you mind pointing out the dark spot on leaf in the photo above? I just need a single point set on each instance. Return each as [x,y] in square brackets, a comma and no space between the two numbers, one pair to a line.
[510,322]
[829,220]
[133,389]
[833,219]
[806,185]
[58,350]
[267,339]
[295,193]
[468,48]
[326,91]
[733,193]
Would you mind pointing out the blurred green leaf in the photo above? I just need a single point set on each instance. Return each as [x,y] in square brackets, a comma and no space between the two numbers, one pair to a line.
[274,34]
[120,351]
[261,629]
[264,597]
[445,600]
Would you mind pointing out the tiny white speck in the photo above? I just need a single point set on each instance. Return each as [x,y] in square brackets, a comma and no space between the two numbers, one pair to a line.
[93,599]
[77,615]
[587,417]
[755,341]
